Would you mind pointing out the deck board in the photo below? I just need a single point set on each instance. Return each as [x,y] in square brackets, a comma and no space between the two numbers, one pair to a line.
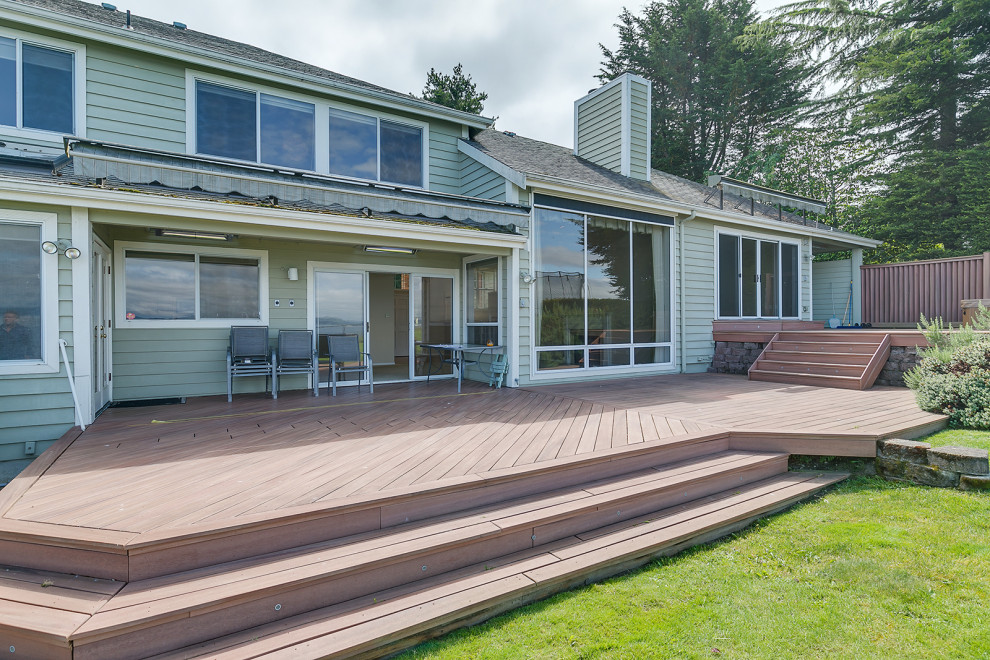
[209,462]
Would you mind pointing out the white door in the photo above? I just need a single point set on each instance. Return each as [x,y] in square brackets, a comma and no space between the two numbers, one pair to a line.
[102,314]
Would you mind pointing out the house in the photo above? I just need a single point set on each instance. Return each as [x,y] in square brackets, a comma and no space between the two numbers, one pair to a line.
[158,185]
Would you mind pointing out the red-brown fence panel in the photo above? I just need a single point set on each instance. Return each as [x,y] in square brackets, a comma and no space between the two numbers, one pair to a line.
[899,294]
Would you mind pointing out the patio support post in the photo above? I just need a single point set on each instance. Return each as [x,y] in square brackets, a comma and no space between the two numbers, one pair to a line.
[857,285]
[513,320]
[82,354]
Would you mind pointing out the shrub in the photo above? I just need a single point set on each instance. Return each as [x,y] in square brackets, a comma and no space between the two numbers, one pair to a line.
[953,376]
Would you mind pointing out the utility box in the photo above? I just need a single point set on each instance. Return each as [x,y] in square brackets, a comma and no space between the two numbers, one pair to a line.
[969,308]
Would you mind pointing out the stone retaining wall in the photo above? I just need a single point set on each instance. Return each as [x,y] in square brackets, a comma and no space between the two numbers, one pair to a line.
[736,357]
[915,462]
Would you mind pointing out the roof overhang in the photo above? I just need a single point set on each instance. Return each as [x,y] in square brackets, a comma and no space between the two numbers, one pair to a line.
[262,220]
[83,28]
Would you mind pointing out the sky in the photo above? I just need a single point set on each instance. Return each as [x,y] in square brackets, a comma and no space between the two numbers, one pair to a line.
[534,58]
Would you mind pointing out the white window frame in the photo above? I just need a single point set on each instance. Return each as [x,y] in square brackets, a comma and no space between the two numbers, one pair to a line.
[78,86]
[120,285]
[586,371]
[322,118]
[466,295]
[779,240]
[49,362]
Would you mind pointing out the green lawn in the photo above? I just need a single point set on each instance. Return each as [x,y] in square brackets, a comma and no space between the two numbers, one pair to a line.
[871,570]
[963,437]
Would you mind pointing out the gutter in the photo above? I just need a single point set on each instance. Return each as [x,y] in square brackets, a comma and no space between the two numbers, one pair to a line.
[682,286]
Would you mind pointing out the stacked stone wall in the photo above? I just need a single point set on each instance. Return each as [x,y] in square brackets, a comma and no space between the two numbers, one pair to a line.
[902,359]
[915,462]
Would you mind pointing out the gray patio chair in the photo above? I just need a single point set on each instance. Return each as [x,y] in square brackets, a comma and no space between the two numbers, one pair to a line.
[346,357]
[248,355]
[296,354]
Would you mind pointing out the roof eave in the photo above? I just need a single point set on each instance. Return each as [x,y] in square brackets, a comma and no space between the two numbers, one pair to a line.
[164,47]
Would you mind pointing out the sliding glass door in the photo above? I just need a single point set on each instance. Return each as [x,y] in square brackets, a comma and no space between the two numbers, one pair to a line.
[757,278]
[433,322]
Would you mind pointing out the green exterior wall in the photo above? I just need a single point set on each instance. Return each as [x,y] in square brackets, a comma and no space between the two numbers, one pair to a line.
[38,407]
[172,362]
[479,181]
[639,130]
[830,281]
[599,129]
[135,99]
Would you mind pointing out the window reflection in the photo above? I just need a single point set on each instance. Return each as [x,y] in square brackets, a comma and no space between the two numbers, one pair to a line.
[20,292]
[559,286]
[46,89]
[160,286]
[8,81]
[353,145]
[608,281]
[226,122]
[402,154]
[228,288]
[288,133]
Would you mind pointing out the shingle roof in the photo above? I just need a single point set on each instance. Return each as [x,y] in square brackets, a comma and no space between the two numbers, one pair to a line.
[219,45]
[532,157]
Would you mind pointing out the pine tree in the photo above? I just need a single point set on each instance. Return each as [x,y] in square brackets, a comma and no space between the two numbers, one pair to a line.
[455,91]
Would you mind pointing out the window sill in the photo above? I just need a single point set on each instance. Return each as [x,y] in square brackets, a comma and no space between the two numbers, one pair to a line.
[27,368]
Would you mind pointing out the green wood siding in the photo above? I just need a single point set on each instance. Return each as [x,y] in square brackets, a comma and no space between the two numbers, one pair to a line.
[830,282]
[38,407]
[639,150]
[599,130]
[479,181]
[135,99]
[445,159]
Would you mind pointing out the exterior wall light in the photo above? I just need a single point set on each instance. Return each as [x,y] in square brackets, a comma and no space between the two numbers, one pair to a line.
[526,277]
[61,247]
[388,250]
[293,274]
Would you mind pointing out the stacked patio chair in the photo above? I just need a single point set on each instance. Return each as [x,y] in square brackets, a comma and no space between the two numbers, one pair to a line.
[499,367]
[346,357]
[296,354]
[249,355]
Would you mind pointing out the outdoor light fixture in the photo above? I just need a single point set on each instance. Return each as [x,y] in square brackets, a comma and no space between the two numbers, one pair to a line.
[61,247]
[182,233]
[293,274]
[388,250]
[526,277]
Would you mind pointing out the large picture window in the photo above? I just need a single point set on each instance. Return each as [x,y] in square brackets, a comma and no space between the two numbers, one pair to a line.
[37,86]
[601,293]
[190,286]
[367,147]
[757,278]
[247,125]
[20,293]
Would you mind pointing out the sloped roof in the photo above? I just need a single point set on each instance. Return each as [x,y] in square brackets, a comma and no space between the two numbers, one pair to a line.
[223,47]
[535,158]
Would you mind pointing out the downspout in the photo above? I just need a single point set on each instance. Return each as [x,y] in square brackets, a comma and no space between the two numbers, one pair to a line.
[682,323]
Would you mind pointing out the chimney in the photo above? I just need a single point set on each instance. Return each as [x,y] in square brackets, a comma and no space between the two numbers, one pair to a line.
[612,126]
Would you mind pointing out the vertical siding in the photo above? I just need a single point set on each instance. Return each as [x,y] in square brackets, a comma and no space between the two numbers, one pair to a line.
[479,181]
[900,293]
[599,129]
[698,305]
[830,281]
[38,407]
[135,99]
[639,147]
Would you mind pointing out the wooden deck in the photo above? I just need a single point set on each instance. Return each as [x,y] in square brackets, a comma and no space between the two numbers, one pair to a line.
[359,523]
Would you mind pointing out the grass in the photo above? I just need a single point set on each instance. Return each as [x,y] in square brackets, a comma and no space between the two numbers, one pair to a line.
[960,437]
[871,570]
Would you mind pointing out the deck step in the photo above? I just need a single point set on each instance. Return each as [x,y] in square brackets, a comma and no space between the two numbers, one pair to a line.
[161,614]
[388,621]
[824,359]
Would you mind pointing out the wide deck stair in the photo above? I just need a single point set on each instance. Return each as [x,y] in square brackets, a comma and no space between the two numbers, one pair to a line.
[387,572]
[847,360]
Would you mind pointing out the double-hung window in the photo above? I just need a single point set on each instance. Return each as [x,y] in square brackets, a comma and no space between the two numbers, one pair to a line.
[38,85]
[166,286]
[369,147]
[602,290]
[249,125]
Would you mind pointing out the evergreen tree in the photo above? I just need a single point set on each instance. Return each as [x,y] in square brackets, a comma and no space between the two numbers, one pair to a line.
[455,91]
[715,96]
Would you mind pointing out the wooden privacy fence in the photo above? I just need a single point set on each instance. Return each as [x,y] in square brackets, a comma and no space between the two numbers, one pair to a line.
[901,293]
